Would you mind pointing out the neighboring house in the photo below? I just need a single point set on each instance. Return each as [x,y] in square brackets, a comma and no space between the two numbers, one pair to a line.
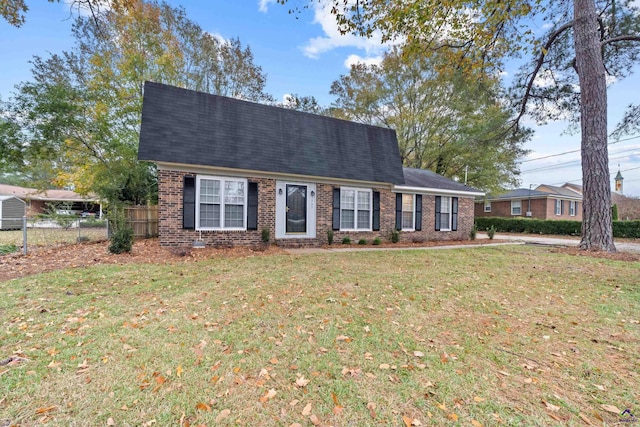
[12,210]
[230,171]
[39,202]
[543,202]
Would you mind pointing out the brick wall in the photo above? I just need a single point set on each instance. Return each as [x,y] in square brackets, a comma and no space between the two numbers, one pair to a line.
[172,233]
[540,209]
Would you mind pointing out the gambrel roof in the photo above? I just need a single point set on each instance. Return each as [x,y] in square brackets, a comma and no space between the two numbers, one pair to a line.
[192,128]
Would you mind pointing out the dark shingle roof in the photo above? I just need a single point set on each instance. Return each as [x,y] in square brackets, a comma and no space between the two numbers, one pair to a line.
[519,193]
[428,179]
[560,191]
[183,126]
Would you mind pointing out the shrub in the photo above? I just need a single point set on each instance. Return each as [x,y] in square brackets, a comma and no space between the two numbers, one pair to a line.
[266,235]
[491,232]
[614,212]
[376,241]
[346,240]
[121,240]
[362,242]
[473,233]
[330,236]
[395,236]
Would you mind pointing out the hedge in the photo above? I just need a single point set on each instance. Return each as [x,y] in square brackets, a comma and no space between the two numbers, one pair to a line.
[560,227]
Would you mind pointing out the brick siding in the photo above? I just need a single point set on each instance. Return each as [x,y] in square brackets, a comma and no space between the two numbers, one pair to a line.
[540,209]
[172,233]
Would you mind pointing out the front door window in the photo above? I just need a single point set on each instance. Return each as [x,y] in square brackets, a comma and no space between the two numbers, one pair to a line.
[296,209]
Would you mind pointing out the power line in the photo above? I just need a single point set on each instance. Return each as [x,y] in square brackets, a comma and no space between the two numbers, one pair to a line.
[571,162]
[575,151]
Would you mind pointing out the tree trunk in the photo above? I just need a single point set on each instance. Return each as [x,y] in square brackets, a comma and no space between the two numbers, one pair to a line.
[597,226]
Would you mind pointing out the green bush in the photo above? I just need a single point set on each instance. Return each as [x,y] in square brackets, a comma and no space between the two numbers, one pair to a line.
[362,242]
[265,235]
[491,232]
[121,240]
[346,240]
[330,236]
[473,233]
[93,223]
[395,236]
[630,229]
[376,241]
[614,212]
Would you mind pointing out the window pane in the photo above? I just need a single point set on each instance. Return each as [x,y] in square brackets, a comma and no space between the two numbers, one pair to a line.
[347,219]
[407,220]
[234,192]
[209,216]
[209,191]
[348,199]
[363,219]
[445,205]
[407,202]
[233,216]
[444,221]
[364,200]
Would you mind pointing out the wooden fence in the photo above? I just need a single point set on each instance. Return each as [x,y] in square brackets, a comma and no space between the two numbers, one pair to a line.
[143,220]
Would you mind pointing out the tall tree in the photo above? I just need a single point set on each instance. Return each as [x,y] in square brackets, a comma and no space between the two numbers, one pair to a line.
[456,126]
[81,110]
[587,38]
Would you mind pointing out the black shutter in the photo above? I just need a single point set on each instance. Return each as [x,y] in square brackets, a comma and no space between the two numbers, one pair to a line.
[561,207]
[454,213]
[252,206]
[398,211]
[336,209]
[438,198]
[418,212]
[376,210]
[189,202]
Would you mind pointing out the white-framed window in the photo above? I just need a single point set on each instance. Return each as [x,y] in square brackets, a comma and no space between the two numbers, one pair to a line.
[445,213]
[221,203]
[516,207]
[558,207]
[355,208]
[572,208]
[408,212]
[487,206]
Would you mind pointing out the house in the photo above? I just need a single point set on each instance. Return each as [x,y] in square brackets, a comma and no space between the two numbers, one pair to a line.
[232,171]
[12,210]
[543,202]
[39,201]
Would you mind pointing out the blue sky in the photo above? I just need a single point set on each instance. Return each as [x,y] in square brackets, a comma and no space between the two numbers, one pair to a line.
[304,54]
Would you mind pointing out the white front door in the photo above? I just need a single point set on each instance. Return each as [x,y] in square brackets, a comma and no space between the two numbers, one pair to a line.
[295,210]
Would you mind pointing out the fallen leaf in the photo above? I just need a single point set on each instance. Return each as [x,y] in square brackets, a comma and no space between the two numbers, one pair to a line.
[452,417]
[586,420]
[110,422]
[302,382]
[418,354]
[222,415]
[295,425]
[444,357]
[268,396]
[335,399]
[371,406]
[203,407]
[384,366]
[610,408]
[343,338]
[179,371]
[478,399]
[551,406]
[46,409]
[314,420]
[475,423]
[407,421]
[306,410]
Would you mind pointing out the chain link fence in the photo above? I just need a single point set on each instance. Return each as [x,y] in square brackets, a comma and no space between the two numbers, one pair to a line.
[29,233]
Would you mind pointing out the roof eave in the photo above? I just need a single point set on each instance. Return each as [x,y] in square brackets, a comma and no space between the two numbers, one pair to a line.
[410,189]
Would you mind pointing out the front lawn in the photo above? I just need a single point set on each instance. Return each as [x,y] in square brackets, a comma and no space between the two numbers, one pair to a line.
[481,336]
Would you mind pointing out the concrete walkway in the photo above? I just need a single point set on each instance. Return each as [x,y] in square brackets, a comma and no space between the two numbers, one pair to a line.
[508,239]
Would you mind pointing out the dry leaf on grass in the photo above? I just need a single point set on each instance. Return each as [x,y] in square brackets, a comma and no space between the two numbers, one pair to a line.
[268,395]
[306,410]
[610,408]
[222,415]
[475,423]
[551,406]
[203,407]
[302,382]
[371,406]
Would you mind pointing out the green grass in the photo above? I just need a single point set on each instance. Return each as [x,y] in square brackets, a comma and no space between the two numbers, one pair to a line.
[483,334]
[7,249]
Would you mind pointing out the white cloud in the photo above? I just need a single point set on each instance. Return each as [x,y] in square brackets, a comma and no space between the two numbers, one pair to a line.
[263,5]
[217,36]
[357,59]
[333,39]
